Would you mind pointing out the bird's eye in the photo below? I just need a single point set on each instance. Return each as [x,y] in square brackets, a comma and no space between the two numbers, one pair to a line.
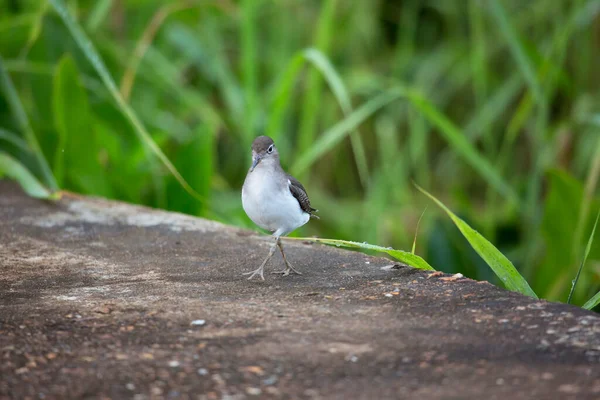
[270,149]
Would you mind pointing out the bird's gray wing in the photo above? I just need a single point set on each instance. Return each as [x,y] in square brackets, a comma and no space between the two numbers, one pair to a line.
[299,193]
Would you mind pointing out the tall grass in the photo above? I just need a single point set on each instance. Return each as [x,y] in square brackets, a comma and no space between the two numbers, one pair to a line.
[490,105]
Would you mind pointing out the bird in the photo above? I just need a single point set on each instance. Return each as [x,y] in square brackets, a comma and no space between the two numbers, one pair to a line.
[274,200]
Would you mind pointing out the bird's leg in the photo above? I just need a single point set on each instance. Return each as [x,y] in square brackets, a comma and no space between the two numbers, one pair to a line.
[288,267]
[260,270]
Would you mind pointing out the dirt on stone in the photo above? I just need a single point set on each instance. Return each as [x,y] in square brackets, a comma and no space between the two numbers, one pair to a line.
[100,299]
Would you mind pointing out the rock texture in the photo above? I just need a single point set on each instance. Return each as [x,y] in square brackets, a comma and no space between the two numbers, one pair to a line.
[100,299]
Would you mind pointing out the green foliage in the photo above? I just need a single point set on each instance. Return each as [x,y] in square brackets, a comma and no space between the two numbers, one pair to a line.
[593,302]
[585,256]
[74,127]
[492,105]
[409,258]
[90,52]
[15,170]
[20,116]
[501,265]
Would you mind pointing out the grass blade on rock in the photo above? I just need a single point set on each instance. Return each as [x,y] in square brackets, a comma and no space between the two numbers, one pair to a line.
[501,265]
[404,256]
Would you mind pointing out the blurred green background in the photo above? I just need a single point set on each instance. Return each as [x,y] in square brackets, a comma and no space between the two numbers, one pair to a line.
[493,106]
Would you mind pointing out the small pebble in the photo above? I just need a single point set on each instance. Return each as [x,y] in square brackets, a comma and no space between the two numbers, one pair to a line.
[253,391]
[273,390]
[389,295]
[202,371]
[569,388]
[270,380]
[198,322]
[174,364]
[130,386]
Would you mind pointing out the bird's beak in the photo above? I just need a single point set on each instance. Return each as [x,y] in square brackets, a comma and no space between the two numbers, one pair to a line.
[255,160]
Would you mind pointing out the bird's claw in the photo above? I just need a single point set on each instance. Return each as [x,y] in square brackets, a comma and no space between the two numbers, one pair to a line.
[259,272]
[287,272]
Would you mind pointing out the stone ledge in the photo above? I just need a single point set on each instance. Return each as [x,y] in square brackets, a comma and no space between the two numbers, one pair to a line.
[97,299]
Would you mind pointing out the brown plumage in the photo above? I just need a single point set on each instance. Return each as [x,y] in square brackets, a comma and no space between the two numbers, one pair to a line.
[299,193]
[261,144]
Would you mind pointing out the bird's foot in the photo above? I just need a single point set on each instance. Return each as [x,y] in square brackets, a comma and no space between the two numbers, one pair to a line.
[288,270]
[259,271]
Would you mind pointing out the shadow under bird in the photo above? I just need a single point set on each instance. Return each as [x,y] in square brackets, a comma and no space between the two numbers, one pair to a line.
[274,200]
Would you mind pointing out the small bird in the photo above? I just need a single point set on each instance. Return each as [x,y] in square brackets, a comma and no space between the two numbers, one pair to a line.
[274,200]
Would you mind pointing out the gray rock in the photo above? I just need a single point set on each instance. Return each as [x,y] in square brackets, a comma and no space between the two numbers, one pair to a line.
[96,299]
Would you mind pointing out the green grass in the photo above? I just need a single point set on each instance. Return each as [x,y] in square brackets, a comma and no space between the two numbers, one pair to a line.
[491,106]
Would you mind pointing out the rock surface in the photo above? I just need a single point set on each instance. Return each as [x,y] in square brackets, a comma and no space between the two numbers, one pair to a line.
[100,299]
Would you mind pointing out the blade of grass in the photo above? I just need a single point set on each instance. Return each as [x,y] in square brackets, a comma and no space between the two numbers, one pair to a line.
[15,170]
[13,138]
[453,135]
[36,29]
[494,108]
[585,256]
[449,131]
[417,231]
[312,96]
[338,88]
[593,302]
[550,73]
[411,259]
[588,194]
[98,14]
[283,96]
[25,66]
[479,68]
[249,68]
[162,72]
[20,116]
[92,55]
[501,265]
[212,62]
[142,45]
[339,131]
[518,50]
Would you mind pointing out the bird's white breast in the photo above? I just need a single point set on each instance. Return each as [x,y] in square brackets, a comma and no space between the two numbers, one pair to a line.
[270,204]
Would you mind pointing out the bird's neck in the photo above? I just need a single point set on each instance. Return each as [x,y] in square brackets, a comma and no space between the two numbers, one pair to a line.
[267,174]
[272,164]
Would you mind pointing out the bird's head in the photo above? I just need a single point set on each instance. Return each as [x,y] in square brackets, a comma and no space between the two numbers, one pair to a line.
[263,150]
